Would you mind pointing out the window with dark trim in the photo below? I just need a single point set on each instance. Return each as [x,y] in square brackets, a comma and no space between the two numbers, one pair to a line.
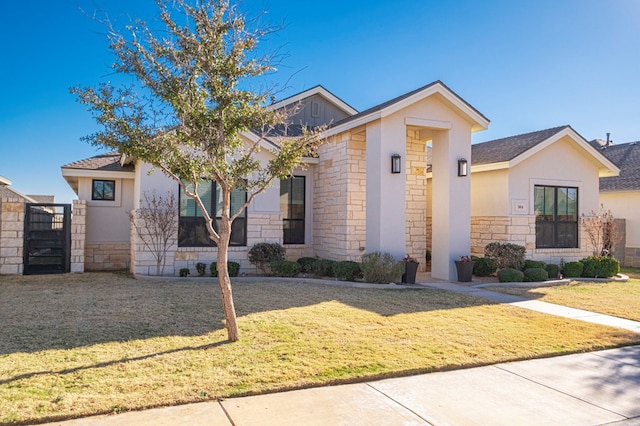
[103,190]
[556,216]
[192,231]
[292,206]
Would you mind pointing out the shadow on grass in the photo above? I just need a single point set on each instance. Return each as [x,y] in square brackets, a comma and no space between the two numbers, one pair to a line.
[66,311]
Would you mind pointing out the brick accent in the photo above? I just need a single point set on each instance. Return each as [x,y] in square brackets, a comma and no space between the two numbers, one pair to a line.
[11,235]
[78,235]
[632,257]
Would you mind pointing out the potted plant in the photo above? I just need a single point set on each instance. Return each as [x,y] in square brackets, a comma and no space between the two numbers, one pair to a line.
[464,267]
[410,270]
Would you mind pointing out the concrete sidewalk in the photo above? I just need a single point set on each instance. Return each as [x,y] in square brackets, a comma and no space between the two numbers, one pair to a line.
[594,388]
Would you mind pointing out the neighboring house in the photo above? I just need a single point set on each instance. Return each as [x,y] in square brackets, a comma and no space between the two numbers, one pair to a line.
[366,191]
[532,190]
[621,195]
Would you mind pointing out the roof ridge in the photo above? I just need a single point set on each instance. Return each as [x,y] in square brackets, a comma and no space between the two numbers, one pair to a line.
[558,128]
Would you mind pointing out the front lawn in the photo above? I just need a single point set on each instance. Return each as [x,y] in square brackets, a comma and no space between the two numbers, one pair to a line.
[76,345]
[620,299]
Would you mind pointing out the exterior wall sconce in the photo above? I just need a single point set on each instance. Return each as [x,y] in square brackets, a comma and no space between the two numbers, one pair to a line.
[463,168]
[395,164]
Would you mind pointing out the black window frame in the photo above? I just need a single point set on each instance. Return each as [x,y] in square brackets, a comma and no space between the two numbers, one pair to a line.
[293,228]
[101,192]
[556,229]
[195,227]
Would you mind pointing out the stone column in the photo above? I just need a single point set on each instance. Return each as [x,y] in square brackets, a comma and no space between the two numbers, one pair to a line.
[11,236]
[78,235]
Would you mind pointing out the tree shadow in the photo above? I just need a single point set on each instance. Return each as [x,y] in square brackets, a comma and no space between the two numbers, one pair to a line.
[68,311]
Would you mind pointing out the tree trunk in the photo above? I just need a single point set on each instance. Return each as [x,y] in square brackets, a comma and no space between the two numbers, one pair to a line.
[225,285]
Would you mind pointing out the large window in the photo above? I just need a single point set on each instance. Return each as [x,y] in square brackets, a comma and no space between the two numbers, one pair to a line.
[293,209]
[192,231]
[103,190]
[556,216]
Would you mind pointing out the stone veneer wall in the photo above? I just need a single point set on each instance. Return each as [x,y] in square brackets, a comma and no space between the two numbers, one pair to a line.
[521,230]
[416,199]
[107,256]
[11,235]
[78,235]
[339,204]
[261,227]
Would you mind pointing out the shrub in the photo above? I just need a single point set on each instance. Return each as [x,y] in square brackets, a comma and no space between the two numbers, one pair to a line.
[552,270]
[381,268]
[201,268]
[285,268]
[600,267]
[346,270]
[506,255]
[528,264]
[306,263]
[262,254]
[323,267]
[535,275]
[510,275]
[232,267]
[184,272]
[427,256]
[483,267]
[573,269]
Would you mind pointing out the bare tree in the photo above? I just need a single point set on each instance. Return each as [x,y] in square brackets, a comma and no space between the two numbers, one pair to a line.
[601,230]
[156,224]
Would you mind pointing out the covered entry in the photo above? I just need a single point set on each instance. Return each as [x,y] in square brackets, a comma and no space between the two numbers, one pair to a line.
[47,238]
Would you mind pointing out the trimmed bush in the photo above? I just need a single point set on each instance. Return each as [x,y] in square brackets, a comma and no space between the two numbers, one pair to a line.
[346,270]
[262,254]
[306,263]
[534,275]
[506,255]
[600,267]
[232,267]
[323,267]
[510,275]
[184,272]
[201,268]
[552,270]
[285,268]
[573,269]
[528,264]
[483,267]
[381,268]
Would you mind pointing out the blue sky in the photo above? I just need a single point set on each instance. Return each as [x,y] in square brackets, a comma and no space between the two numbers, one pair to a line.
[526,65]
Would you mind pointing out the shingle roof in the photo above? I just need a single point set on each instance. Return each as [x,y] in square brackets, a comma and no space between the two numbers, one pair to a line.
[627,158]
[109,162]
[506,149]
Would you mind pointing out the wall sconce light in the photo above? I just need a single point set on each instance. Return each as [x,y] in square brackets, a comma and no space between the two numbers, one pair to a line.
[463,169]
[395,163]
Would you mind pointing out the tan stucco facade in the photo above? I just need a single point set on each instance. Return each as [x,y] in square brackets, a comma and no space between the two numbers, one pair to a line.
[626,205]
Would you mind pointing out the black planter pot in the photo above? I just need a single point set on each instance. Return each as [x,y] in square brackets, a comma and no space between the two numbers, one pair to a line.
[465,271]
[410,270]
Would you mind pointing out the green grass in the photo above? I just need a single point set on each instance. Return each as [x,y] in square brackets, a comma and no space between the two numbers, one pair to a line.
[76,345]
[620,299]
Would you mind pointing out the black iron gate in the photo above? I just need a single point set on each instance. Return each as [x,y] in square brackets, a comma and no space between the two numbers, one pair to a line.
[47,238]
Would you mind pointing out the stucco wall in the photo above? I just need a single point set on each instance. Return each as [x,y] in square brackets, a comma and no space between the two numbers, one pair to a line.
[489,193]
[626,205]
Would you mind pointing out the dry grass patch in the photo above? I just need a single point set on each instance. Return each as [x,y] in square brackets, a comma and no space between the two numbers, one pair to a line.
[611,298]
[76,345]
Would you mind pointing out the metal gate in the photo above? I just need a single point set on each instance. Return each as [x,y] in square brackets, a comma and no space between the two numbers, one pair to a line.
[47,238]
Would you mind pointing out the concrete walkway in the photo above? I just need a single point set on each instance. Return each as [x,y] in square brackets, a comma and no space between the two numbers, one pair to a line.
[595,388]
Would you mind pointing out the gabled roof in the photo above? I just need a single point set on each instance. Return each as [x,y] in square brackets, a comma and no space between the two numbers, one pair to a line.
[389,107]
[627,158]
[316,90]
[510,151]
[4,181]
[109,162]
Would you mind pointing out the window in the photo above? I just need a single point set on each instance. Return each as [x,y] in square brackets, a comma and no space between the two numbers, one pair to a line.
[556,216]
[192,231]
[292,206]
[104,190]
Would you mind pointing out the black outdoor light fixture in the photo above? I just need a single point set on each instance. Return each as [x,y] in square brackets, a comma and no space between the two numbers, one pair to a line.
[462,167]
[395,163]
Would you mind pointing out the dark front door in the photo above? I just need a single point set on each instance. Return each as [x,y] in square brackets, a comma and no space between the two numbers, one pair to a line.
[47,238]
